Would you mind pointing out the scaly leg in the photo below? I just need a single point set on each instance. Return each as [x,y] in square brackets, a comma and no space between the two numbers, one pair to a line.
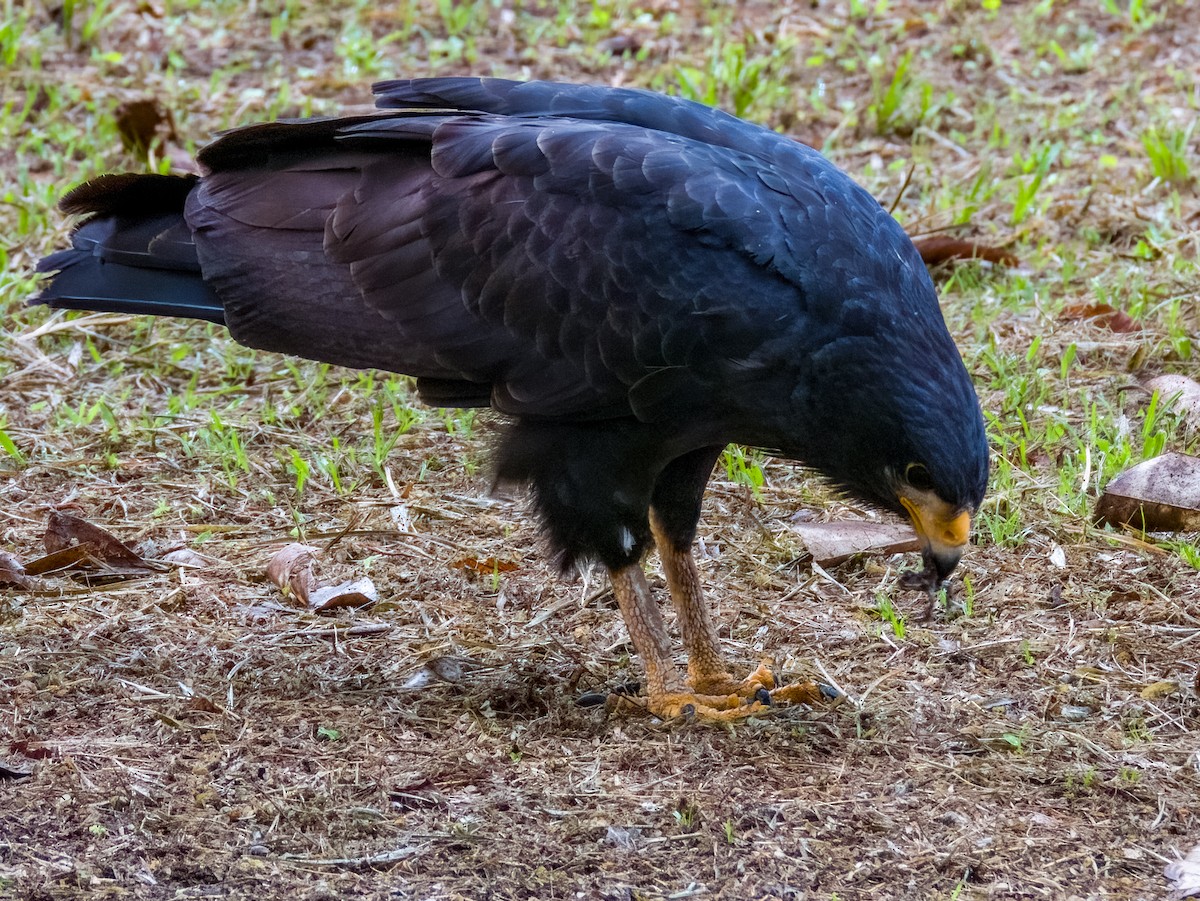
[666,694]
[707,672]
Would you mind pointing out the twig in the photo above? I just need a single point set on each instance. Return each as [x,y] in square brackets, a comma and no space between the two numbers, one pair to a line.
[355,863]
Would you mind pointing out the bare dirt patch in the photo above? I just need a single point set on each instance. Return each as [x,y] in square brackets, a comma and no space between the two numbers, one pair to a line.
[193,732]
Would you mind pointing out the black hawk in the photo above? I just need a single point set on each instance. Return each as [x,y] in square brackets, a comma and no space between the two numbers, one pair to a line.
[634,280]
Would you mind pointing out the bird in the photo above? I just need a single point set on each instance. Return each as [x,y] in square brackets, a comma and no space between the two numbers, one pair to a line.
[633,281]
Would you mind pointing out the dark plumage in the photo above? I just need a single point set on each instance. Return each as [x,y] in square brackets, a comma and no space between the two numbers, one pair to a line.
[634,279]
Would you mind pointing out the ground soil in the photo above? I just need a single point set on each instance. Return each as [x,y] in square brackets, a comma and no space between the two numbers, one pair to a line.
[195,733]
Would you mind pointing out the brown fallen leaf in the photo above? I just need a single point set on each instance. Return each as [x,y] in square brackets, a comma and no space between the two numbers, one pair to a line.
[203,704]
[1156,690]
[1180,394]
[68,558]
[938,249]
[292,570]
[621,44]
[12,572]
[31,749]
[486,565]
[64,531]
[1102,315]
[832,542]
[442,669]
[1157,495]
[144,123]
[358,593]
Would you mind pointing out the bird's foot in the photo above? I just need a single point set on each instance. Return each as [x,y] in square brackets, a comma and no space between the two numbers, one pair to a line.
[760,687]
[810,693]
[722,683]
[717,697]
[694,706]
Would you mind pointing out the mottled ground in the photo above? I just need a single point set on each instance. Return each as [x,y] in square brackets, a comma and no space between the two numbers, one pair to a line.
[194,733]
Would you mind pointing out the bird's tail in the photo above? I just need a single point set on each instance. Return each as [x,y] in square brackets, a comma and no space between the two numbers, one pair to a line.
[134,254]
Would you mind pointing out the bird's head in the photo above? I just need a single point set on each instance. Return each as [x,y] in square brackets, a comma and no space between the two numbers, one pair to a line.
[892,418]
[943,527]
[879,400]
[938,494]
[935,479]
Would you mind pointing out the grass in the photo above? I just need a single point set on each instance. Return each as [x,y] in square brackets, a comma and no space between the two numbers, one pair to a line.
[1169,151]
[745,77]
[886,611]
[1051,128]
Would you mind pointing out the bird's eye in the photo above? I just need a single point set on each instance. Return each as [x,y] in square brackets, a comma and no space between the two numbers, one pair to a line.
[918,477]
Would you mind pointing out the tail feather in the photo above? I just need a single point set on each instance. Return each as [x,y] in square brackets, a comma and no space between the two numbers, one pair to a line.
[135,255]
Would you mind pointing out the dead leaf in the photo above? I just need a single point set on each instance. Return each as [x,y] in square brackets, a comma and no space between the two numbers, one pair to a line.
[358,593]
[938,249]
[1158,495]
[143,124]
[31,749]
[1179,393]
[487,565]
[67,558]
[1102,315]
[64,531]
[1157,690]
[189,559]
[291,569]
[1184,876]
[416,790]
[832,542]
[439,669]
[12,572]
[203,704]
[621,44]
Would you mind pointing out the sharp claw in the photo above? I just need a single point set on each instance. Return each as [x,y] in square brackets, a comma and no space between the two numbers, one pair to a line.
[690,706]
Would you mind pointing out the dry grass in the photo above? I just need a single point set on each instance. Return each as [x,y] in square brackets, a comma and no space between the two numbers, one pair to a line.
[192,733]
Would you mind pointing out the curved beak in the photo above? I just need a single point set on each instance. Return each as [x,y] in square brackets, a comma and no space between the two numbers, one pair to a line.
[942,530]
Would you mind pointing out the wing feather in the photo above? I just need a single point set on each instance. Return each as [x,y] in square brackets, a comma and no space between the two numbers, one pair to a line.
[553,262]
